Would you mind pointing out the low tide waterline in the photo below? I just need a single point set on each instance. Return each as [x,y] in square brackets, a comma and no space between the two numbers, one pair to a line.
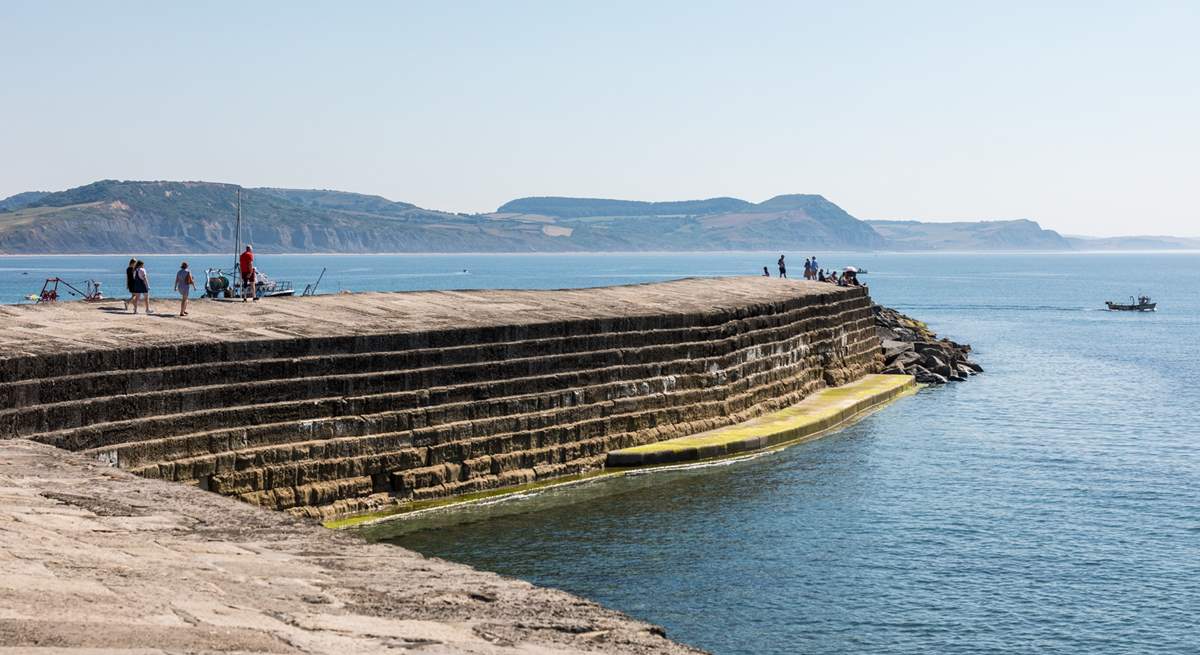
[1048,506]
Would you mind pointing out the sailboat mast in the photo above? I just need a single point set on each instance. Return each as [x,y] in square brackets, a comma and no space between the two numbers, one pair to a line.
[237,238]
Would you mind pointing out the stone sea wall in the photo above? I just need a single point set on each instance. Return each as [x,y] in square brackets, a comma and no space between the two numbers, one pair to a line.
[326,424]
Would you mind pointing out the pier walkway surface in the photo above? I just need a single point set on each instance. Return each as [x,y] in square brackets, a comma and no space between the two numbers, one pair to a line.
[54,328]
[94,559]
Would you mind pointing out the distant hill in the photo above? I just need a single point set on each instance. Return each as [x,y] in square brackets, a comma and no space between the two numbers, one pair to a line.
[176,217]
[1134,243]
[129,216]
[113,216]
[787,222]
[21,200]
[969,235]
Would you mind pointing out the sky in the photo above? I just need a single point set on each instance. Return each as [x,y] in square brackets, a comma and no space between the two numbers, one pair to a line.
[1082,116]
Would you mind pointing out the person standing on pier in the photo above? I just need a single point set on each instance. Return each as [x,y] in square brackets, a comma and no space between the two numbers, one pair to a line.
[184,283]
[246,263]
[129,271]
[782,267]
[141,286]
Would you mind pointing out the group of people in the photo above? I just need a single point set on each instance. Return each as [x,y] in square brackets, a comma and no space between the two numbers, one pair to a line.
[814,272]
[137,281]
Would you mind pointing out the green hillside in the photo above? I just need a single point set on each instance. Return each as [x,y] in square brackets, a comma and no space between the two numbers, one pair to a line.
[120,216]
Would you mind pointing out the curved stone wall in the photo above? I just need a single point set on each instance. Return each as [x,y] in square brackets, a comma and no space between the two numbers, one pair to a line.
[325,424]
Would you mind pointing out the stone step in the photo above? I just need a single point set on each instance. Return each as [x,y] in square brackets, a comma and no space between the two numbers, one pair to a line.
[558,461]
[107,433]
[568,391]
[136,359]
[115,382]
[58,416]
[68,389]
[224,473]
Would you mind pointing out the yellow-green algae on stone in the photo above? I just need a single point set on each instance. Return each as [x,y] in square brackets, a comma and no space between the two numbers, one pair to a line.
[807,419]
[411,507]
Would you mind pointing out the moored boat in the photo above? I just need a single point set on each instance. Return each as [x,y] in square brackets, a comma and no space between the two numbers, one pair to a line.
[225,285]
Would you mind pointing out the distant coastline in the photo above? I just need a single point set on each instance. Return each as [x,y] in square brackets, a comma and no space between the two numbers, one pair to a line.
[167,217]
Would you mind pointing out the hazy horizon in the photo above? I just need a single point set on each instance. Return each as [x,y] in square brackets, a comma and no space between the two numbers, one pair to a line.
[1079,119]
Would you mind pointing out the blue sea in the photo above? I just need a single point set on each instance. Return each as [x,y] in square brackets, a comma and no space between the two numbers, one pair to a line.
[1050,505]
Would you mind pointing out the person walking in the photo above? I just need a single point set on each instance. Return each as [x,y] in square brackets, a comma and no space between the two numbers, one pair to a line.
[782,267]
[808,271]
[246,264]
[141,286]
[184,283]
[814,265]
[129,270]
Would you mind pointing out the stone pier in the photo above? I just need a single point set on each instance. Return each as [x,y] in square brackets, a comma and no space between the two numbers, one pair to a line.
[339,404]
[128,443]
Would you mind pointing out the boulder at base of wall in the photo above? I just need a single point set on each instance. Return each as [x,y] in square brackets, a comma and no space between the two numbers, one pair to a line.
[911,348]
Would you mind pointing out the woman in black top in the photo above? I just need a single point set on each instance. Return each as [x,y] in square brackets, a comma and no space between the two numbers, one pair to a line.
[129,282]
[141,286]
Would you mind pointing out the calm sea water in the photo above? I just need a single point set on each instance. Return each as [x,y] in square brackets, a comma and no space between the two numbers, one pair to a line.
[1051,505]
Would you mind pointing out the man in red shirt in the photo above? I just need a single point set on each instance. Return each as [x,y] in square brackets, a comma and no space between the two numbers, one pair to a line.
[246,264]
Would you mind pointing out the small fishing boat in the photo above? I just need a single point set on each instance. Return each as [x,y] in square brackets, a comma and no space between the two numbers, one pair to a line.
[1142,304]
[220,284]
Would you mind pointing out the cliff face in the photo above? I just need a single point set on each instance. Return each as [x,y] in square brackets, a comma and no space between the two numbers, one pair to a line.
[379,399]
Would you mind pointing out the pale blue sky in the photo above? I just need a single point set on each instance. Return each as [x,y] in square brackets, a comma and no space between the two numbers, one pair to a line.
[1082,116]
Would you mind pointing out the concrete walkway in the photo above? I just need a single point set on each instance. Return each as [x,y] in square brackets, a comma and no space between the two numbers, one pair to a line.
[808,419]
[76,326]
[93,559]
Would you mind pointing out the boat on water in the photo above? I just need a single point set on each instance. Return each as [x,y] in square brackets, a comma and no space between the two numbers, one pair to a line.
[220,284]
[1141,304]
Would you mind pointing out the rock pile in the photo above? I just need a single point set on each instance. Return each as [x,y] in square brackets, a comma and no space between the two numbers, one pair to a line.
[909,347]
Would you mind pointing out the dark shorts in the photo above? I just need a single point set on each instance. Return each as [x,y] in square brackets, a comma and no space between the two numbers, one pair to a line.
[247,277]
